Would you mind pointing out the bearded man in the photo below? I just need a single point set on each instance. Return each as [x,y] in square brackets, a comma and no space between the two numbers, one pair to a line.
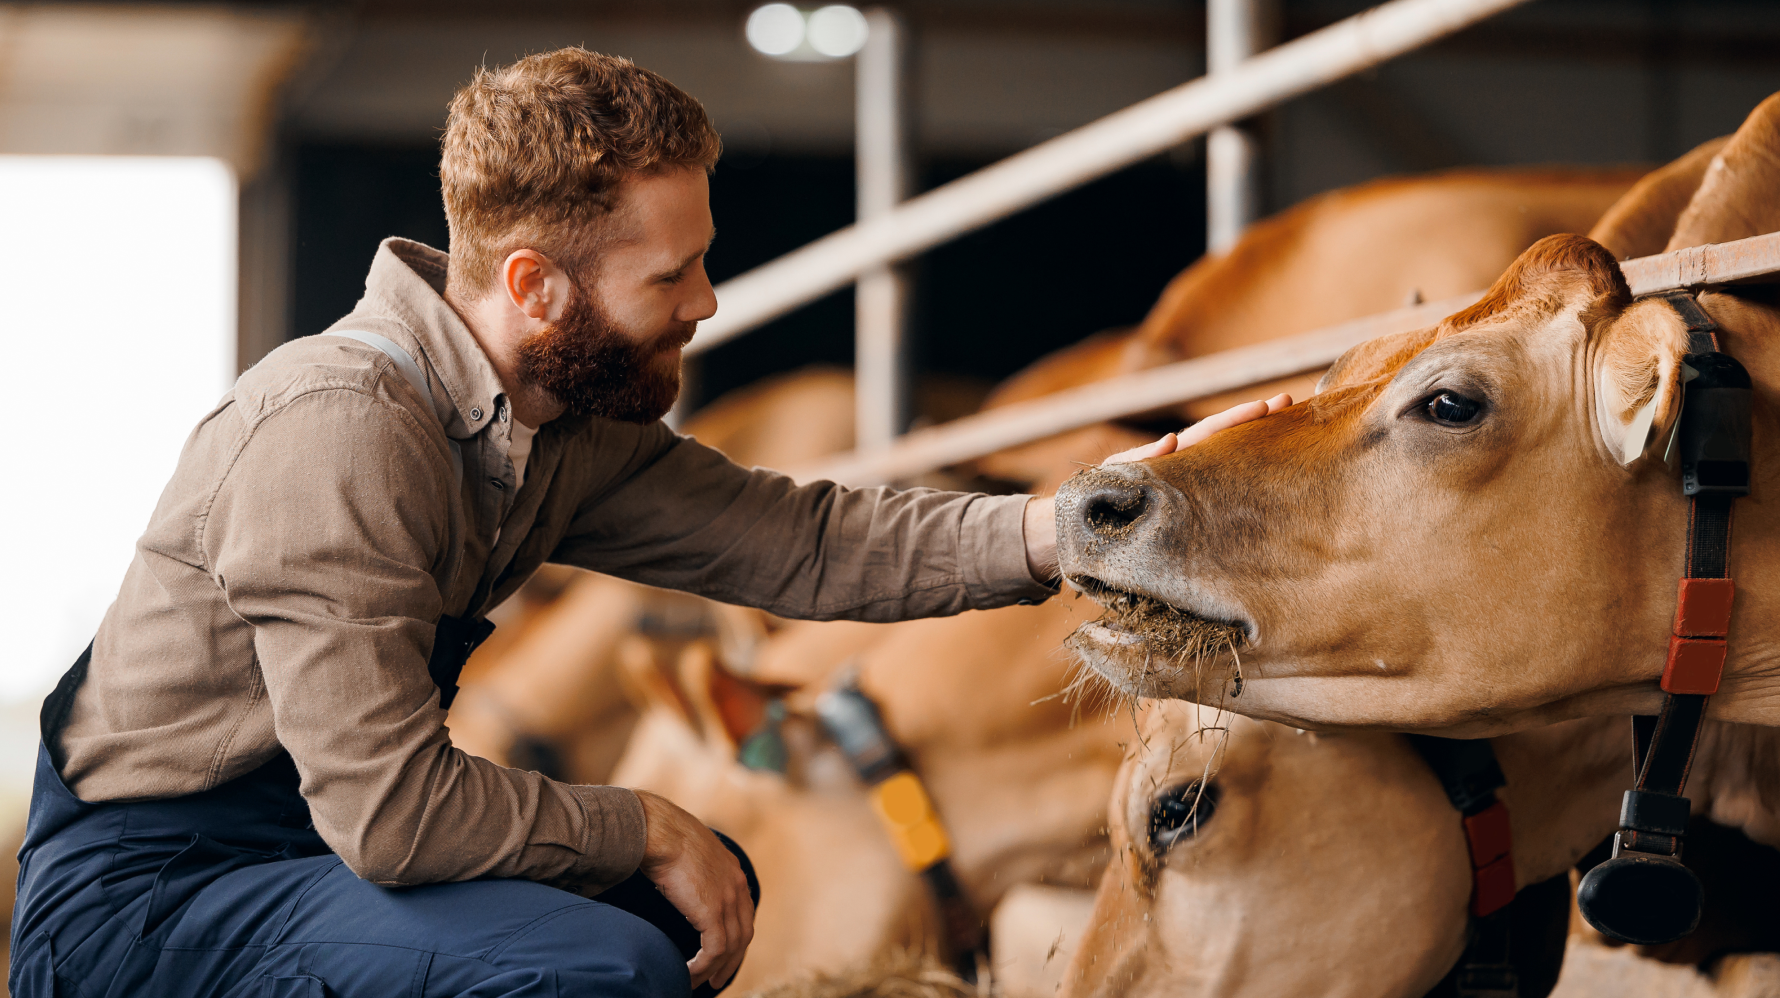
[246,786]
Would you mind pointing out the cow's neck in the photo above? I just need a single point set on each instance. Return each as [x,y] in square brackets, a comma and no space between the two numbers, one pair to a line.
[1750,692]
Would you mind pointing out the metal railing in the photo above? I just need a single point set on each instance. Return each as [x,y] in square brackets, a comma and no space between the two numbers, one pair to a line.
[1074,158]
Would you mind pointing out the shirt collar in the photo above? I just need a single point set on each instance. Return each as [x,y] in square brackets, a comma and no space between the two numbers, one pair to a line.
[407,281]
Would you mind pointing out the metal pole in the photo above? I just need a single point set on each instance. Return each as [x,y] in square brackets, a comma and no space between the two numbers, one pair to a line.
[1074,158]
[880,337]
[1234,31]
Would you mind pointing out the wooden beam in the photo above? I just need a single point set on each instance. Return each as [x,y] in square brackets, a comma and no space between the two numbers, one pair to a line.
[1023,422]
[1704,266]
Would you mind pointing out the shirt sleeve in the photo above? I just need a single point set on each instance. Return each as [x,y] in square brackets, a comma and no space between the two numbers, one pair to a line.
[329,548]
[688,518]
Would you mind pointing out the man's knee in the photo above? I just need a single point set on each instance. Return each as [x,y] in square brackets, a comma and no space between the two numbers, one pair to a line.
[594,948]
[493,937]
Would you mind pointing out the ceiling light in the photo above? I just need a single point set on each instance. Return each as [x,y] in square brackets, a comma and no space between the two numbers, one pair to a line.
[776,29]
[837,31]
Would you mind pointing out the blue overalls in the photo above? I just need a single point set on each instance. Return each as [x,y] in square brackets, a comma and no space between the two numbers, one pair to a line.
[231,892]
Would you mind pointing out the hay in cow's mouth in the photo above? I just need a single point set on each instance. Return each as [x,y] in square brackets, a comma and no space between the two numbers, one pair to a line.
[1168,630]
[1141,645]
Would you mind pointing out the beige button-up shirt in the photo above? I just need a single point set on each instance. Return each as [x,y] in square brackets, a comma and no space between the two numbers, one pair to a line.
[286,590]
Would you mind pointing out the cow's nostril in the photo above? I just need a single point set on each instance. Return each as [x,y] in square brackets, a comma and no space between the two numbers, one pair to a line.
[1111,512]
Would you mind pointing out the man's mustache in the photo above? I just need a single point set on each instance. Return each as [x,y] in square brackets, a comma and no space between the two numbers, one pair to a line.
[676,337]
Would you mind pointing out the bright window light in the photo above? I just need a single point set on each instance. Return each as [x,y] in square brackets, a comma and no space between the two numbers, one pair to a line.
[776,29]
[837,31]
[117,309]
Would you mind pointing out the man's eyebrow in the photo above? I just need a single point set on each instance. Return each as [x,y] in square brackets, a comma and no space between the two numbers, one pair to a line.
[687,262]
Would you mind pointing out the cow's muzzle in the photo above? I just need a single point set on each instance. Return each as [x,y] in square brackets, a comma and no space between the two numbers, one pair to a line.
[1109,522]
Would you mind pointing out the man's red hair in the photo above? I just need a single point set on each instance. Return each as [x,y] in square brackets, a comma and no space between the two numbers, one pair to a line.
[534,154]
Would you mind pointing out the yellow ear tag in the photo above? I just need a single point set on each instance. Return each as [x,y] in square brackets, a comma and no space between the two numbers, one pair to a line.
[907,812]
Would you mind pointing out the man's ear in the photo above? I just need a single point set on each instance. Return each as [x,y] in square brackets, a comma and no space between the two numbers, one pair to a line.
[531,282]
[1637,378]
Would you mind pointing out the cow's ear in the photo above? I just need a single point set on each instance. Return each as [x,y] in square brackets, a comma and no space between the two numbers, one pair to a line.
[1636,378]
[728,707]
[1557,273]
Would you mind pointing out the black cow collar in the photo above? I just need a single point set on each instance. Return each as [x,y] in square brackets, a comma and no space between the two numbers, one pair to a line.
[1643,894]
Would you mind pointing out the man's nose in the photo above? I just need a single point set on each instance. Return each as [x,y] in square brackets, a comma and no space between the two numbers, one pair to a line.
[702,304]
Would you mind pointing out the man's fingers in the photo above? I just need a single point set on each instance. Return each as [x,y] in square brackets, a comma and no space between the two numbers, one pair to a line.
[743,911]
[725,929]
[711,951]
[1233,416]
[734,947]
[1156,448]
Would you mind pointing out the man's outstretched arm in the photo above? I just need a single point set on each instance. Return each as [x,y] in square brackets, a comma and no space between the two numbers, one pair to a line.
[692,520]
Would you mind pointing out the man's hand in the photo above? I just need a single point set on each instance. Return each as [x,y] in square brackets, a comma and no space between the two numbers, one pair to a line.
[1041,514]
[1172,442]
[704,881]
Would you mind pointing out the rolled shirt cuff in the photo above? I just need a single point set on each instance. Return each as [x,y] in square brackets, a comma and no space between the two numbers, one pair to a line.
[616,831]
[992,547]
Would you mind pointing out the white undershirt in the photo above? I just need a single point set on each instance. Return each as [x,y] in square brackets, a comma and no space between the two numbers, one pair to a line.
[519,450]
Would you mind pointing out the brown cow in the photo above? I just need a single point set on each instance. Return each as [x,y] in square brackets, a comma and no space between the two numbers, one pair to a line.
[1471,528]
[1319,864]
[1334,864]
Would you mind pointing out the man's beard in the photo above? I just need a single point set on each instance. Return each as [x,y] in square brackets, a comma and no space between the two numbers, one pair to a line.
[590,366]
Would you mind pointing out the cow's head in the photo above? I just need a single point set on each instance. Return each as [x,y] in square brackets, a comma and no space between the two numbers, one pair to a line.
[1469,527]
[1252,861]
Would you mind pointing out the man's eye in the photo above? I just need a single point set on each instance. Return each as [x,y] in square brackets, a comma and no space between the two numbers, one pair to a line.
[674,278]
[1454,409]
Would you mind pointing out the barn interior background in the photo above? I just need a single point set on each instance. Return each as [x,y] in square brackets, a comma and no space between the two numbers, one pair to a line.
[216,176]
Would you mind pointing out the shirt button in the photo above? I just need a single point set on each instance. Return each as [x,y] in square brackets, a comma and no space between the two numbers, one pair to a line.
[475,414]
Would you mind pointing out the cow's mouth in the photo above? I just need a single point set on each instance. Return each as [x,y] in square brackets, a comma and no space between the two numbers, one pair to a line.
[1143,644]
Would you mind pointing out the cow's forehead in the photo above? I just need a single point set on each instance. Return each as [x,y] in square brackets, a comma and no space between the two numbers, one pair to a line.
[1527,332]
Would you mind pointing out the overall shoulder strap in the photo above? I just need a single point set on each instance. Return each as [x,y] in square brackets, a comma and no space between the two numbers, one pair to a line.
[411,372]
[454,638]
[404,361]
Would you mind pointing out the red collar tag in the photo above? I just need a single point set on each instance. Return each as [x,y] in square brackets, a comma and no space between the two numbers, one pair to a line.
[1697,645]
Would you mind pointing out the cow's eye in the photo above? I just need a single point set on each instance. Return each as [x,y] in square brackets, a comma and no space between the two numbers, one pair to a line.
[1455,409]
[1179,814]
